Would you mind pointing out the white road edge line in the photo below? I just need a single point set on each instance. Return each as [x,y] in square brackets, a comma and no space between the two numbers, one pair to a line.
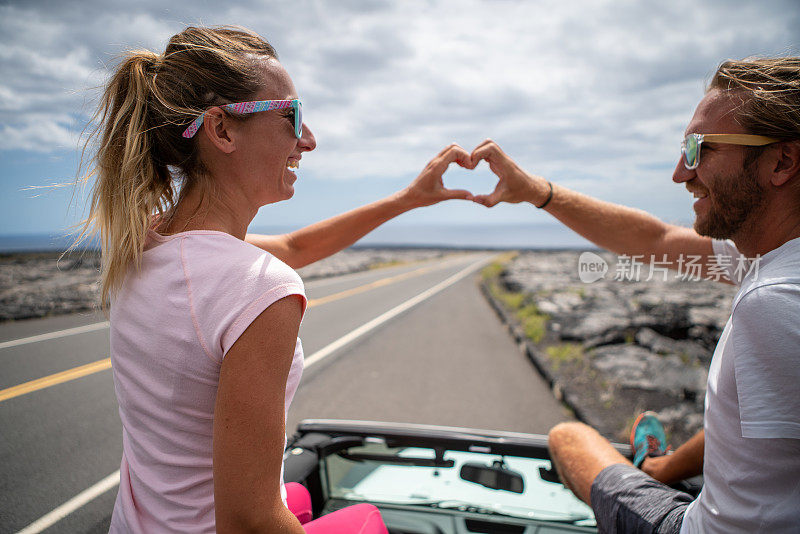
[54,335]
[71,505]
[376,322]
[112,480]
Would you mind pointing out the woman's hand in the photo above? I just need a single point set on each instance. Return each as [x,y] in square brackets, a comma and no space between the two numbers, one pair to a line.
[514,185]
[428,189]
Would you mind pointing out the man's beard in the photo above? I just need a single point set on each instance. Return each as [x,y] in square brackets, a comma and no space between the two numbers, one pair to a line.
[735,199]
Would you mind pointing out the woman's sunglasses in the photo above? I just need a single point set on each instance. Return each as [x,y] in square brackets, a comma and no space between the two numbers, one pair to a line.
[690,146]
[255,106]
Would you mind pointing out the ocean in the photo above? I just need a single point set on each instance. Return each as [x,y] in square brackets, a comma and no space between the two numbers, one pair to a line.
[497,236]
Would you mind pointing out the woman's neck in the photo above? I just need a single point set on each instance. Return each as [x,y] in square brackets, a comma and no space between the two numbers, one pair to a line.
[198,211]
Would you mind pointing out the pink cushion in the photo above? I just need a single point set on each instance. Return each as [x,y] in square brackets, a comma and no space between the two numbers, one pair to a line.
[358,519]
[298,501]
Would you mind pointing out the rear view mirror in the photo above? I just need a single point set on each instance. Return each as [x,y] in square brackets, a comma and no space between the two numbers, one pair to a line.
[496,476]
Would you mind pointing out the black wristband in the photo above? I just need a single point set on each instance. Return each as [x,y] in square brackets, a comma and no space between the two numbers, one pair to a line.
[549,196]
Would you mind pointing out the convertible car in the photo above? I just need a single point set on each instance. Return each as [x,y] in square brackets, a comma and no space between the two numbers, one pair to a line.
[437,480]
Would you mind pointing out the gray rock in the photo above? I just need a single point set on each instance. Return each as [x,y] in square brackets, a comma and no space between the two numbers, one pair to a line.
[715,315]
[594,324]
[609,338]
[627,364]
[636,367]
[682,415]
[688,350]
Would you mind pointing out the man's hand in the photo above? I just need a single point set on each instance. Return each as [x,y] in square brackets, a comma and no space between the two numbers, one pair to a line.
[428,189]
[514,185]
[684,463]
[655,466]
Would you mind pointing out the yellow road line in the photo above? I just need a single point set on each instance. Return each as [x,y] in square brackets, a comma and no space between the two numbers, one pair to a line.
[102,365]
[52,380]
[371,285]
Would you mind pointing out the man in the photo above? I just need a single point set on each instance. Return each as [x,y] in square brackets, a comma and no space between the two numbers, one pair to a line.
[747,185]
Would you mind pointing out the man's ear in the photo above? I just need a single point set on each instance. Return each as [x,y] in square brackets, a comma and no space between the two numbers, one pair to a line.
[216,125]
[786,163]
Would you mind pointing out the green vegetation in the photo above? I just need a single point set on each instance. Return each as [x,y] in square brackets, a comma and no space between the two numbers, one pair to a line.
[496,268]
[534,323]
[512,300]
[564,352]
[492,270]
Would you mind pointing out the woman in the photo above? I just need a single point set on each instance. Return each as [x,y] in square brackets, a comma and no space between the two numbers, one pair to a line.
[203,323]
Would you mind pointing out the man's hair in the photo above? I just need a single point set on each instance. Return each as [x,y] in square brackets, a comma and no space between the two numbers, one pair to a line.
[770,91]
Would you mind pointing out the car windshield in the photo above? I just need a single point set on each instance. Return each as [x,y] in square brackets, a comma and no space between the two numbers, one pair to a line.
[374,473]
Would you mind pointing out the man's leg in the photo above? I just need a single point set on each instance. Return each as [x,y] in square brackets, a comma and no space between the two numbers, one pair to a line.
[579,453]
[626,499]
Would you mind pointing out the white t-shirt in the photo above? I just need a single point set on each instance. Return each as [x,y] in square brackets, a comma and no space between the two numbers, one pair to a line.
[171,325]
[752,411]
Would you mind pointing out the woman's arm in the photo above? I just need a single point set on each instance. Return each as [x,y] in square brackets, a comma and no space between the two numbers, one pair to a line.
[249,420]
[617,228]
[325,238]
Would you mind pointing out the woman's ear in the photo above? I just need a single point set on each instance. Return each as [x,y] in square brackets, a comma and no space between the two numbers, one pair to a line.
[786,164]
[216,126]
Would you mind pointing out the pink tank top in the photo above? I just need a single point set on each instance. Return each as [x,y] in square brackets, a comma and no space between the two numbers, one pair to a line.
[171,325]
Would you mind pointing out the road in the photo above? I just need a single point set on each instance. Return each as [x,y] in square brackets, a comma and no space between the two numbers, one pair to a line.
[413,343]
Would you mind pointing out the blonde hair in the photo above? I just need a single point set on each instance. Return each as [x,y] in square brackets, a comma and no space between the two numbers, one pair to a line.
[144,109]
[771,91]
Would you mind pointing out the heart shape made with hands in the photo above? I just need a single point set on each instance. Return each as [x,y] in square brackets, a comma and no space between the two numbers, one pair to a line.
[511,183]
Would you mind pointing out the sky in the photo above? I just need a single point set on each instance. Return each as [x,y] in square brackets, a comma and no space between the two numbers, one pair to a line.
[591,94]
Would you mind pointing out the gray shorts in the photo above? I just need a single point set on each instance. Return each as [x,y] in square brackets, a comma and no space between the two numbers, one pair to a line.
[625,499]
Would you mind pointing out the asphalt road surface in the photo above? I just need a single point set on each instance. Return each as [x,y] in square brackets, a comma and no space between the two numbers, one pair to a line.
[414,343]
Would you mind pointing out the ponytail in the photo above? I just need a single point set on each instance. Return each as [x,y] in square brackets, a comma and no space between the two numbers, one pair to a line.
[131,184]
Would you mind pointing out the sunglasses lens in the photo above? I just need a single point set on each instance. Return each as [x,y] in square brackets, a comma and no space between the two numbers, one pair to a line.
[298,119]
[691,151]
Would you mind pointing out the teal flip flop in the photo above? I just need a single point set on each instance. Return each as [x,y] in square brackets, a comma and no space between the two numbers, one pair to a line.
[647,438]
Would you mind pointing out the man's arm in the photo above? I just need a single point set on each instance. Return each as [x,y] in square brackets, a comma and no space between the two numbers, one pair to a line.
[320,240]
[617,228]
[625,230]
[685,463]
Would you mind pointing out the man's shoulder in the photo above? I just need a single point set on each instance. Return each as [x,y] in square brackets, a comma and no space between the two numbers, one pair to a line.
[765,301]
[775,278]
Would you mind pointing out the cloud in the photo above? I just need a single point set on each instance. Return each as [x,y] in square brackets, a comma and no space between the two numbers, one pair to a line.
[584,91]
[41,133]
